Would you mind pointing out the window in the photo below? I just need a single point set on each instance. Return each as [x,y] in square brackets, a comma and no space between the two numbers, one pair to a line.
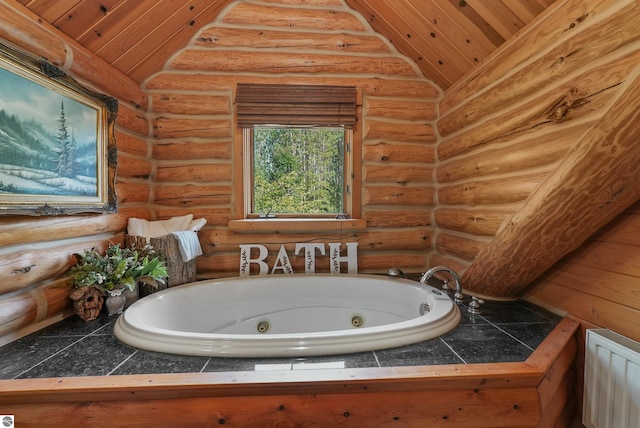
[297,150]
[294,171]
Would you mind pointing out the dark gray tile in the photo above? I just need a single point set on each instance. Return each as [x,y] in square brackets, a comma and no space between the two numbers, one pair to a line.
[541,311]
[485,344]
[477,339]
[92,356]
[429,352]
[146,362]
[469,318]
[531,334]
[509,312]
[25,353]
[74,326]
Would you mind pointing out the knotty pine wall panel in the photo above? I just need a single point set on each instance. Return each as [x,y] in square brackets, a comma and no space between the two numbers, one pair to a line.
[600,281]
[598,284]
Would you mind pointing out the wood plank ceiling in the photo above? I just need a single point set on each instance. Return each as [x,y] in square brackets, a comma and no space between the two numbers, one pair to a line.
[446,38]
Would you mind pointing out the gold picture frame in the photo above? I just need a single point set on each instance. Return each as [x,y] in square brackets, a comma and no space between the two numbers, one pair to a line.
[58,152]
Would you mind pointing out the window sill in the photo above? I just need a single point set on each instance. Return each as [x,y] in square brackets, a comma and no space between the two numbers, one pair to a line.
[288,225]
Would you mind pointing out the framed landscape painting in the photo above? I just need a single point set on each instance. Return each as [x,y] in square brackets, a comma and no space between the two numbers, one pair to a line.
[57,145]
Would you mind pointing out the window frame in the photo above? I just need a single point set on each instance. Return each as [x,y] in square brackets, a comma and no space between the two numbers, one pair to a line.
[241,223]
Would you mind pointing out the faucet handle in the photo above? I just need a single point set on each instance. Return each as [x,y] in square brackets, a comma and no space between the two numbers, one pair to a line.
[395,272]
[445,287]
[474,305]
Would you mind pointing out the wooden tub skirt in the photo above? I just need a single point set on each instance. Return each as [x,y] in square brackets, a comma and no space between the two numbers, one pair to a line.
[539,392]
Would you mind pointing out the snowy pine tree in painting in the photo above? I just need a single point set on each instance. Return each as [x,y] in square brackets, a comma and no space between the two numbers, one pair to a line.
[66,147]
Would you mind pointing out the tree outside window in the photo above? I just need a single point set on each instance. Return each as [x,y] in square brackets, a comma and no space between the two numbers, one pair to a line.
[298,170]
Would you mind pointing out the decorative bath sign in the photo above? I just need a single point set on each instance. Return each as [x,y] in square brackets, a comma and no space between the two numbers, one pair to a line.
[310,249]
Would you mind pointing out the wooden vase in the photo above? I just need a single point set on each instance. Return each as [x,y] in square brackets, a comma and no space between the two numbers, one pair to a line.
[167,249]
[87,302]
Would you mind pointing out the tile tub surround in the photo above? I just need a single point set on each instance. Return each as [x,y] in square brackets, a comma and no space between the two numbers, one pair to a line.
[503,332]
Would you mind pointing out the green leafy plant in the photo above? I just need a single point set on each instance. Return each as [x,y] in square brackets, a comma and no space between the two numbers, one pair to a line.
[118,267]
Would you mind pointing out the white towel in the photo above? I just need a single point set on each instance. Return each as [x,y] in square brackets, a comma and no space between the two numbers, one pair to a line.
[159,228]
[189,244]
[197,224]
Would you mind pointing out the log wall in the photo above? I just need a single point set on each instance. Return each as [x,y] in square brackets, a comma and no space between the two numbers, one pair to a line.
[537,146]
[196,144]
[36,252]
[175,138]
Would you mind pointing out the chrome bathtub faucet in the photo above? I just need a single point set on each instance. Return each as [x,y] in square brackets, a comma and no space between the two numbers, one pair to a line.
[458,297]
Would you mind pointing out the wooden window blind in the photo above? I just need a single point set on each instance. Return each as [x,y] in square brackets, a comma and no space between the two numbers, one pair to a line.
[291,105]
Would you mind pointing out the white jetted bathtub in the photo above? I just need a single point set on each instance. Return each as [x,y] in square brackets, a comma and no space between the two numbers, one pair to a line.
[287,315]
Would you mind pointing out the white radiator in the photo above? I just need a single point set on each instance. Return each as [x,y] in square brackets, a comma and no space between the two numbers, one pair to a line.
[611,381]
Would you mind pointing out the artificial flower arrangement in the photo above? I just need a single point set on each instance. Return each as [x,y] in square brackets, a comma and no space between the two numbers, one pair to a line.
[118,268]
[95,276]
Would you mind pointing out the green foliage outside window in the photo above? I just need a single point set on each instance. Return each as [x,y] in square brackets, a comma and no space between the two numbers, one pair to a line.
[298,170]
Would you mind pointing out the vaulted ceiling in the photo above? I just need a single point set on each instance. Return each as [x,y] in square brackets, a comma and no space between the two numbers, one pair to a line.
[446,38]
